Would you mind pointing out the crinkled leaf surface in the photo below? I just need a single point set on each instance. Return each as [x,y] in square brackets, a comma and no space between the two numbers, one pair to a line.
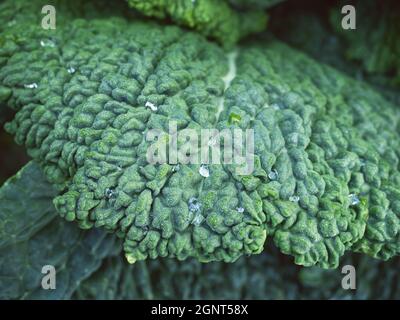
[331,142]
[216,19]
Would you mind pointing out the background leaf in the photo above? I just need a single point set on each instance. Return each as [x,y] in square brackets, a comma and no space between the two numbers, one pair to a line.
[32,235]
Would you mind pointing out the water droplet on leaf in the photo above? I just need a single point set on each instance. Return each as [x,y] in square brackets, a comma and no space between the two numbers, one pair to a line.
[204,172]
[354,200]
[194,204]
[71,70]
[31,86]
[109,193]
[150,105]
[273,175]
[47,43]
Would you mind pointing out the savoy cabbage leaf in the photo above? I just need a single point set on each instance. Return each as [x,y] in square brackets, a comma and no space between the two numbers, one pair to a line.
[375,43]
[216,19]
[325,189]
[269,275]
[32,236]
[83,274]
[82,99]
[312,28]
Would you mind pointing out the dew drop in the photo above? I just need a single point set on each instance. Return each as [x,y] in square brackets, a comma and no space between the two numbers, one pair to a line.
[194,204]
[354,200]
[47,43]
[294,198]
[273,175]
[150,105]
[71,70]
[109,193]
[31,86]
[176,168]
[240,209]
[204,172]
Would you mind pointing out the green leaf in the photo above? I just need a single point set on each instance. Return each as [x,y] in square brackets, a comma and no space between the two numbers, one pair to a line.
[25,205]
[32,236]
[215,19]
